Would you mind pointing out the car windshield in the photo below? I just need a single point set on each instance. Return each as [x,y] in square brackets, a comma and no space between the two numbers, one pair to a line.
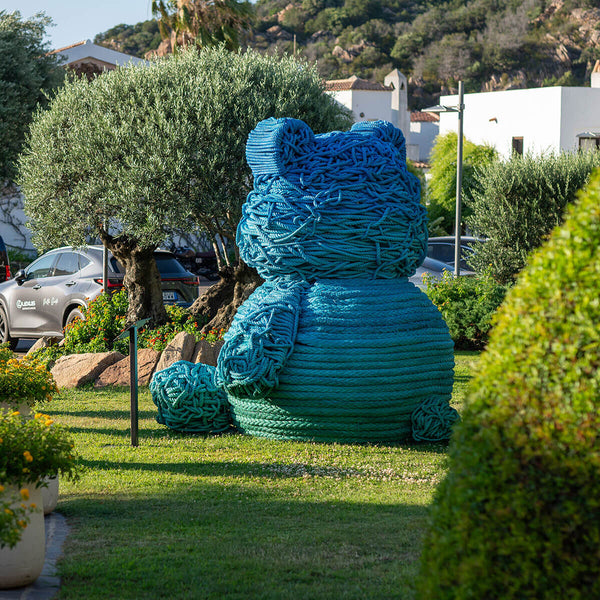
[166,263]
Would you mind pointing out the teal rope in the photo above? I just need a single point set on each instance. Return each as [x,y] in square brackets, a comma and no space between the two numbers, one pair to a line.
[432,421]
[188,399]
[337,205]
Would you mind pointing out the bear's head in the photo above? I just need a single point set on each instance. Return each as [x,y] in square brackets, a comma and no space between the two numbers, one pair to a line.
[337,205]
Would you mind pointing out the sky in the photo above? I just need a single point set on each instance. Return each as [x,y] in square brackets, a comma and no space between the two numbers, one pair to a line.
[78,20]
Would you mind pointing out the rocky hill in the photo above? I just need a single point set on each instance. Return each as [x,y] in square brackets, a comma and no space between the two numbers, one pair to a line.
[489,44]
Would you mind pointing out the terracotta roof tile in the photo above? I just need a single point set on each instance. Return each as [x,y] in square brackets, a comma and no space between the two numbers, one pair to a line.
[68,47]
[355,83]
[422,117]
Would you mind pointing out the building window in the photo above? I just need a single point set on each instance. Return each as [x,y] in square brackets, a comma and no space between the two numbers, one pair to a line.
[589,143]
[517,146]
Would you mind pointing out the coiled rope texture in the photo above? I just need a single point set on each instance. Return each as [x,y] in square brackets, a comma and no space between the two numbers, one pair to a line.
[367,354]
[337,205]
[188,399]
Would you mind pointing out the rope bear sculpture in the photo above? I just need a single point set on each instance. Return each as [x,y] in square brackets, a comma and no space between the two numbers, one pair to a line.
[337,344]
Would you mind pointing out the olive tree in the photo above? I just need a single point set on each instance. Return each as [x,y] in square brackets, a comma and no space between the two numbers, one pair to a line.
[140,153]
[27,73]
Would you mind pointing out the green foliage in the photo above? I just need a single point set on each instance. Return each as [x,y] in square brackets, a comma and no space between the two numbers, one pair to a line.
[468,305]
[441,188]
[517,204]
[33,448]
[14,514]
[27,74]
[24,381]
[105,319]
[136,39]
[518,515]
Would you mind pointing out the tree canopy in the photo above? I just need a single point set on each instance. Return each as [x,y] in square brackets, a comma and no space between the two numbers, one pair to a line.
[152,150]
[27,74]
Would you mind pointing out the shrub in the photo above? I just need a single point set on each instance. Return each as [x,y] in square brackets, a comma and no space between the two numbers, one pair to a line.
[105,319]
[467,305]
[24,381]
[30,450]
[441,189]
[519,202]
[518,515]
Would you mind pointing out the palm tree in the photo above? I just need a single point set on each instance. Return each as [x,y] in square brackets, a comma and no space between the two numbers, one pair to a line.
[202,22]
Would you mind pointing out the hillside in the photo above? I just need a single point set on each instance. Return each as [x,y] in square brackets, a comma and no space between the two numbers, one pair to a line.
[489,44]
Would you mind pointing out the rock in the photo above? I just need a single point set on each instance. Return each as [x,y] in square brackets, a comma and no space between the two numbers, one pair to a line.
[44,342]
[118,374]
[75,370]
[180,348]
[206,353]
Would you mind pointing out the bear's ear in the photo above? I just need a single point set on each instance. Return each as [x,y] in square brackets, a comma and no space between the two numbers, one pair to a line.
[275,144]
[384,131]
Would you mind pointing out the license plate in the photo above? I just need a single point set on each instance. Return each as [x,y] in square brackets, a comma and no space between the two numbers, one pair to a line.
[169,296]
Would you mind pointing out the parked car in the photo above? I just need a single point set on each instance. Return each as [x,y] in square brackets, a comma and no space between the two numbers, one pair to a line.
[52,291]
[442,248]
[4,264]
[433,268]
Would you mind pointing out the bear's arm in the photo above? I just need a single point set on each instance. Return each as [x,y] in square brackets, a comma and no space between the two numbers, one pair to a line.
[260,339]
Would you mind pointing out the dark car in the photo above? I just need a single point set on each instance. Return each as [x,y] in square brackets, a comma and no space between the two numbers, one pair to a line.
[53,290]
[442,249]
[4,264]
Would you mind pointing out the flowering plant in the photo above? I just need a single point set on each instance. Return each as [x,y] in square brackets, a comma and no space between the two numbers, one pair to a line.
[24,381]
[14,515]
[31,449]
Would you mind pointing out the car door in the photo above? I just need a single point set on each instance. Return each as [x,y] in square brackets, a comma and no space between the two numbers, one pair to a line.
[28,312]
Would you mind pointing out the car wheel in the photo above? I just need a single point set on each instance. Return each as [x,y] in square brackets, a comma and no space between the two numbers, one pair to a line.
[73,315]
[4,335]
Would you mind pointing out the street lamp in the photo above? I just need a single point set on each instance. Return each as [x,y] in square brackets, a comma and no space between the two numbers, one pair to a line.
[460,109]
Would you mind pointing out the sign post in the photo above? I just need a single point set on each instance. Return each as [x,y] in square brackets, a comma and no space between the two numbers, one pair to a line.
[131,331]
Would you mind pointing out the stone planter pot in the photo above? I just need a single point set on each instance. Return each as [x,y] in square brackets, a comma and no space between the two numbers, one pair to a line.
[23,564]
[50,494]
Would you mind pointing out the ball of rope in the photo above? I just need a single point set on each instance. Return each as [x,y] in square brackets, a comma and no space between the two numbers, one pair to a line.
[432,421]
[188,399]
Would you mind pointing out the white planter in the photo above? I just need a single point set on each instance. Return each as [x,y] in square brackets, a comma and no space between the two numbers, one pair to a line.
[23,564]
[50,494]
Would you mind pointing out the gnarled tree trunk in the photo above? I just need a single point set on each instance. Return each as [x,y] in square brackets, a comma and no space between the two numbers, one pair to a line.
[141,280]
[221,301]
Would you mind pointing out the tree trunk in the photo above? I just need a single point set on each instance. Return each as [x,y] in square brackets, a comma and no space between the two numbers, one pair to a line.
[141,281]
[221,301]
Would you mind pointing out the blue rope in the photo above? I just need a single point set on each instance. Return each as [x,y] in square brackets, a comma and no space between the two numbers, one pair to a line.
[337,205]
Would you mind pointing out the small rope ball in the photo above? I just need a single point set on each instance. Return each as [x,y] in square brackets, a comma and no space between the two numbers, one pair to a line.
[188,399]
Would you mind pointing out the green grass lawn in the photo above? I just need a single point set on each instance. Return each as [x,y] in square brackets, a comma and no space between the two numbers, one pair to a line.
[237,517]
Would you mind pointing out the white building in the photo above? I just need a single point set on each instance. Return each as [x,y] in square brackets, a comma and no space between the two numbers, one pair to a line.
[551,119]
[91,59]
[424,128]
[371,101]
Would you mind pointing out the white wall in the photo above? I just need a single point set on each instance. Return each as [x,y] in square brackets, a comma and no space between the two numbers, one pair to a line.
[494,118]
[422,135]
[581,113]
[372,105]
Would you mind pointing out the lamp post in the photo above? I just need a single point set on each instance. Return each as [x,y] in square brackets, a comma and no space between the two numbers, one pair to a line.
[460,109]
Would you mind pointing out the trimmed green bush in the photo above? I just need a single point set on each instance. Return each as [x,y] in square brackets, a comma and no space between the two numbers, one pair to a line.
[517,204]
[518,515]
[467,305]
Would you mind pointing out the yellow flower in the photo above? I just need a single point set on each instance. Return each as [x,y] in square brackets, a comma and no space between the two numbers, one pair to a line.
[38,415]
[22,524]
[1,487]
[28,456]
[32,505]
[15,413]
[49,422]
[24,494]
[8,511]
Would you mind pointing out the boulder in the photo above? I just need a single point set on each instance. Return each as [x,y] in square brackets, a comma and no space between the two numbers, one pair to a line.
[44,342]
[118,374]
[181,347]
[75,370]
[206,353]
